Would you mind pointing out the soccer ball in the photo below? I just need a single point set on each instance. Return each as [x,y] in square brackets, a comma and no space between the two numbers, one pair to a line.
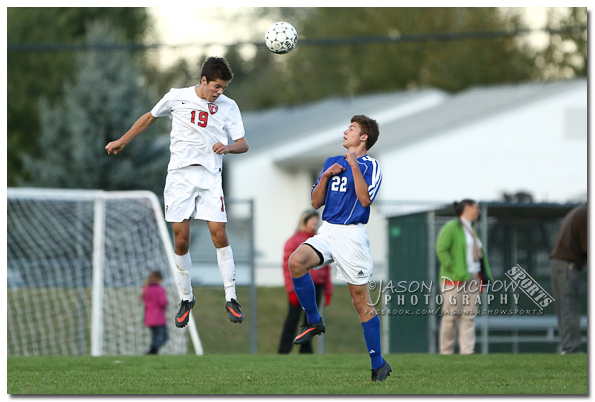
[281,38]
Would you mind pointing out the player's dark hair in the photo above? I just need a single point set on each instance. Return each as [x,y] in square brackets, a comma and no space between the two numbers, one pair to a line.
[459,207]
[216,68]
[369,126]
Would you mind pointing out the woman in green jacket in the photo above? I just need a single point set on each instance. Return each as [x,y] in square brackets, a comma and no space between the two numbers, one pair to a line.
[463,266]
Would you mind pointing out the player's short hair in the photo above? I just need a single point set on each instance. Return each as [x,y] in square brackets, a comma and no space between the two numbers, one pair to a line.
[459,207]
[369,126]
[216,68]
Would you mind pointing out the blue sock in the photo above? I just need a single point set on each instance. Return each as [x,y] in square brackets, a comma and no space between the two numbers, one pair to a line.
[306,293]
[372,335]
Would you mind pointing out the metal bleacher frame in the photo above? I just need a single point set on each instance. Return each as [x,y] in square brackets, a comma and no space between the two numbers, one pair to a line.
[519,324]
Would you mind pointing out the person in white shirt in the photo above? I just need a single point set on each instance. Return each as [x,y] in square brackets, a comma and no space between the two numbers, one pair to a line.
[202,121]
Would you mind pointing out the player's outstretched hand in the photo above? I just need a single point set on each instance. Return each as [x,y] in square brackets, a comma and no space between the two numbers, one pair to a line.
[334,170]
[220,149]
[114,147]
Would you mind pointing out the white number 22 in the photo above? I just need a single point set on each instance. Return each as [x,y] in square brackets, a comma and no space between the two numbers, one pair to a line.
[339,184]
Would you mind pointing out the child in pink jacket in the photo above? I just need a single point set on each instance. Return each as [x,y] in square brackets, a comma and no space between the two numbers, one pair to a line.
[155,301]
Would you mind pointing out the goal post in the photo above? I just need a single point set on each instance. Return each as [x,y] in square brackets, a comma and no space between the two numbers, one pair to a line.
[77,261]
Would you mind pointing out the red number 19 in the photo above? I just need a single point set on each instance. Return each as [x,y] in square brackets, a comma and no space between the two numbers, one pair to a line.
[203,117]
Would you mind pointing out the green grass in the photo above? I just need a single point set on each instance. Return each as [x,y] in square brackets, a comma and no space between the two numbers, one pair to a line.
[227,366]
[219,336]
[297,374]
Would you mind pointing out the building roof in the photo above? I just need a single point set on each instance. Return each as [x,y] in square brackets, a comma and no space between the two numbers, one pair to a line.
[470,106]
[278,126]
[304,136]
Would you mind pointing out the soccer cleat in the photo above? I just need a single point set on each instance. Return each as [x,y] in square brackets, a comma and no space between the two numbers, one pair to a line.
[233,308]
[309,331]
[184,312]
[381,373]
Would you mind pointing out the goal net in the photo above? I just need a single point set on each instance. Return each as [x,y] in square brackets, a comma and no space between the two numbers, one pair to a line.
[77,261]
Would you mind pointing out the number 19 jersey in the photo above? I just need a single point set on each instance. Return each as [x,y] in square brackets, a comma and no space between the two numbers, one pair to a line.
[341,204]
[197,125]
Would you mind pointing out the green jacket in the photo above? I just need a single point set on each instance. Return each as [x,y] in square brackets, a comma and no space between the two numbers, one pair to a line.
[451,248]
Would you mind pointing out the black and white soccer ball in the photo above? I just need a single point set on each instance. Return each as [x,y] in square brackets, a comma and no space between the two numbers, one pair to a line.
[281,38]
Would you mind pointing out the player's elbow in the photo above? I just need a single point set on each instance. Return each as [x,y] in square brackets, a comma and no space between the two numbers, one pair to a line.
[149,119]
[316,204]
[245,146]
[366,202]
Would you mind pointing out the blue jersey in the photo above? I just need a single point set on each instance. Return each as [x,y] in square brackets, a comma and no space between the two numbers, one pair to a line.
[341,204]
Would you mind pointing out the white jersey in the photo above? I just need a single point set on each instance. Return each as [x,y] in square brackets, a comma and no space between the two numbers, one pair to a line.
[197,125]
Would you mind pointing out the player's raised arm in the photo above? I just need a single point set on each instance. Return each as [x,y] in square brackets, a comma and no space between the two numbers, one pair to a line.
[138,127]
[361,187]
[319,192]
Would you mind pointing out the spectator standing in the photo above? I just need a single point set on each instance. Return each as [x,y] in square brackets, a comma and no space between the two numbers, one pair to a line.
[568,259]
[155,301]
[463,266]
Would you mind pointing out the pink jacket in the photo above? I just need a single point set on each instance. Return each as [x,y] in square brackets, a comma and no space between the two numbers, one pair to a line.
[155,301]
[321,276]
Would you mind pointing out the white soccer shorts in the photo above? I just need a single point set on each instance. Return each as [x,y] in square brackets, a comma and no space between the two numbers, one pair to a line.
[194,192]
[349,247]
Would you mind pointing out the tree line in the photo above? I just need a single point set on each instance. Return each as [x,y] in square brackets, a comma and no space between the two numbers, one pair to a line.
[64,106]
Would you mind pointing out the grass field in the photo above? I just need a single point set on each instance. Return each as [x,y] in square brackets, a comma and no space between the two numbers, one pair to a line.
[298,374]
[228,368]
[219,336]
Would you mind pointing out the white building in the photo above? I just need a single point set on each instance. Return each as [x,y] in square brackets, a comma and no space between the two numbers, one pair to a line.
[433,146]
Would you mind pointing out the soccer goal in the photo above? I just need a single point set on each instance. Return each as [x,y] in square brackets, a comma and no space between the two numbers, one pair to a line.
[77,261]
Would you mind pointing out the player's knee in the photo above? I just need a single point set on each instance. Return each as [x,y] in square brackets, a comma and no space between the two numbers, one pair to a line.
[181,245]
[358,304]
[219,236]
[360,301]
[220,240]
[296,267]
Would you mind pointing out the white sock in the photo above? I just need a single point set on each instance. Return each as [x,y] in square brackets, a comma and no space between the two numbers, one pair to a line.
[184,263]
[228,271]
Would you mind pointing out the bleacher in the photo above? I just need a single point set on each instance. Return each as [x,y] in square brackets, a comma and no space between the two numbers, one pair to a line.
[521,329]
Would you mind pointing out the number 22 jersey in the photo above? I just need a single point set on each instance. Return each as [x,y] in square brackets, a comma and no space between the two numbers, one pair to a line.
[341,204]
[197,125]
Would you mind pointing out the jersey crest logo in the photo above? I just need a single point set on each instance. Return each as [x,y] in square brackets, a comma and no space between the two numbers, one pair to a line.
[213,108]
